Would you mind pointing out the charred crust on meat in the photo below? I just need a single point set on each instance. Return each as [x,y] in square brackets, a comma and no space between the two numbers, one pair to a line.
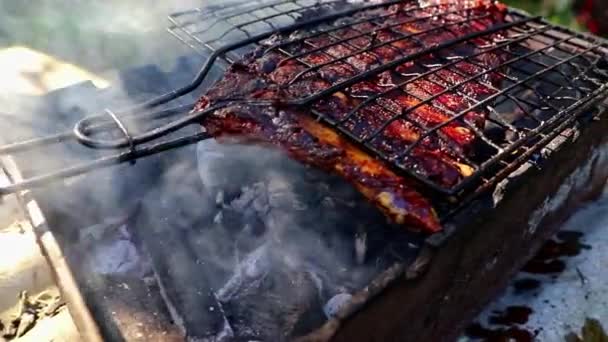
[392,121]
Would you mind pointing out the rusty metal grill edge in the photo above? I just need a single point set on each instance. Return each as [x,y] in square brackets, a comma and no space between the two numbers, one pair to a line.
[555,48]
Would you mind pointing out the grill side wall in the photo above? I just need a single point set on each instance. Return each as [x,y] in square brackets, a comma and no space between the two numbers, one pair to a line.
[489,245]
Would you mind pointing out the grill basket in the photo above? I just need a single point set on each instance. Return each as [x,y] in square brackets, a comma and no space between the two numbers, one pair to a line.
[547,77]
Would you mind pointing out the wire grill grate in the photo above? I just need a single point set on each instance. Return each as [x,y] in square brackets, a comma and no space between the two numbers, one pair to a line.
[527,79]
[544,75]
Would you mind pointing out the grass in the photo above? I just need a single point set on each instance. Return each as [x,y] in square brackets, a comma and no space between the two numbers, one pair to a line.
[562,15]
[526,5]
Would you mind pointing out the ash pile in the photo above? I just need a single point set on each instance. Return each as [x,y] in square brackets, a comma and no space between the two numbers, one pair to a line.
[259,247]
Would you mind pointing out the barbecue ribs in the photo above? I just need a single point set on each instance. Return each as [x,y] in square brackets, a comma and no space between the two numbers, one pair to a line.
[390,109]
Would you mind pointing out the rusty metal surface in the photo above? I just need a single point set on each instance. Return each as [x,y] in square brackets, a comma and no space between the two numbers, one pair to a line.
[480,257]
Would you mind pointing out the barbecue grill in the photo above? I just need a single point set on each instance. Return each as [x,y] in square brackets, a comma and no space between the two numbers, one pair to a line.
[551,75]
[551,80]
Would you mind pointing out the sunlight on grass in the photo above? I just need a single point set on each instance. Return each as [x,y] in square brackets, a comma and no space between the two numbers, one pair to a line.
[26,71]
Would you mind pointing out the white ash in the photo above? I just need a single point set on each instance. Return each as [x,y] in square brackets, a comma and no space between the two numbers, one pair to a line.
[295,239]
[361,246]
[248,273]
[118,258]
[336,303]
[110,251]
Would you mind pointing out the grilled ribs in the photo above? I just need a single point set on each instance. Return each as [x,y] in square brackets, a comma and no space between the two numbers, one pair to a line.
[391,109]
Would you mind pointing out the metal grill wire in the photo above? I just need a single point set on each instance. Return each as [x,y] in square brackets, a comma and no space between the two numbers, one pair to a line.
[545,74]
[214,27]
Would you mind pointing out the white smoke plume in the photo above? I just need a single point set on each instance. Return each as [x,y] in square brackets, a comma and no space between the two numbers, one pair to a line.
[267,216]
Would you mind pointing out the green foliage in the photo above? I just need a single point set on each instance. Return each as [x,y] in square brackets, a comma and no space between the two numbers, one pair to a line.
[531,6]
[557,11]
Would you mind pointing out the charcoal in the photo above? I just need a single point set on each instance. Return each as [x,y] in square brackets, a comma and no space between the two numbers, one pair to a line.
[267,264]
[252,270]
[196,309]
[270,300]
[333,306]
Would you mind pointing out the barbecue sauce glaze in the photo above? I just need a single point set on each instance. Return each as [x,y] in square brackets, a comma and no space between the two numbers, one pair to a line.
[391,109]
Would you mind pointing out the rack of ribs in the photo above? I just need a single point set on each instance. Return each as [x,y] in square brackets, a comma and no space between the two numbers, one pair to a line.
[255,93]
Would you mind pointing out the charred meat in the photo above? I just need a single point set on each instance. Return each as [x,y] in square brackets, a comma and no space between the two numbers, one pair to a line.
[391,109]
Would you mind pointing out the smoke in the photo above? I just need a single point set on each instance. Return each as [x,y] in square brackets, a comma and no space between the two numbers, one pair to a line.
[99,36]
[312,229]
[279,245]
